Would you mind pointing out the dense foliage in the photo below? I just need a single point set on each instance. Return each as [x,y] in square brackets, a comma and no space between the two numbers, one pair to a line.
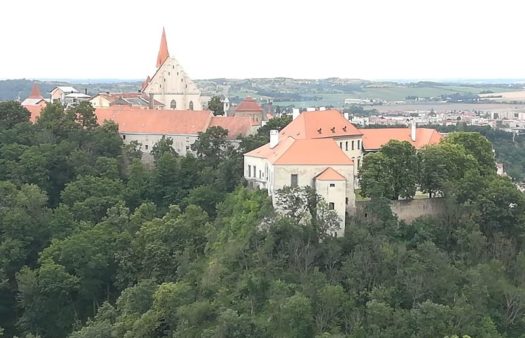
[509,148]
[95,244]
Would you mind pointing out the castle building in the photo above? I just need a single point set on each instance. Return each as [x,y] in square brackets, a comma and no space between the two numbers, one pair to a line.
[170,85]
[323,150]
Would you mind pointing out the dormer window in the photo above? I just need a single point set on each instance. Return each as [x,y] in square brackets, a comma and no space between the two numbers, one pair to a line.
[333,129]
[344,128]
[319,130]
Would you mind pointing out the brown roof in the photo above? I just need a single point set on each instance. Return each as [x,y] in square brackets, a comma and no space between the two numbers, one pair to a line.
[155,121]
[248,105]
[236,125]
[163,49]
[330,174]
[320,124]
[374,139]
[303,151]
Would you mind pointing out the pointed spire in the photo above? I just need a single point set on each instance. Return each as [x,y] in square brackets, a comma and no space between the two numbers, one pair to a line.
[35,92]
[163,50]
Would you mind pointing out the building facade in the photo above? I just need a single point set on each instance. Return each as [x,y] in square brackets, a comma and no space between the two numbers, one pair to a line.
[170,84]
[323,150]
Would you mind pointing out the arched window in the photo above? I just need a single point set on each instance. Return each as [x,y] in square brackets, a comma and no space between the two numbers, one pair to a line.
[173,104]
[191,105]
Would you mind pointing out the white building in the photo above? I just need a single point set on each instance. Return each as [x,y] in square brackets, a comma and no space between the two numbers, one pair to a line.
[318,149]
[170,84]
[323,150]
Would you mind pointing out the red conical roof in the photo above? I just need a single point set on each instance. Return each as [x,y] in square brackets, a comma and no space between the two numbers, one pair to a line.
[163,50]
[35,92]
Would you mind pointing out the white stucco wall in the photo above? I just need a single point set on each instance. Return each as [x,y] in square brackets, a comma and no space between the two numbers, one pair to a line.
[181,143]
[356,154]
[170,82]
[99,102]
[334,192]
[306,174]
[257,171]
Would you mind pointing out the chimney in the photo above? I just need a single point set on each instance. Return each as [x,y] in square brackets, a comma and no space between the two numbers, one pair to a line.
[413,130]
[151,101]
[274,138]
[295,113]
[345,115]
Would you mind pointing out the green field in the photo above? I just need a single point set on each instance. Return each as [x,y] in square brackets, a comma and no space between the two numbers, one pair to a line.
[391,93]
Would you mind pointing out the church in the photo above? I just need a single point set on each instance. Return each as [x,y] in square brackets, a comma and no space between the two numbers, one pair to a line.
[170,85]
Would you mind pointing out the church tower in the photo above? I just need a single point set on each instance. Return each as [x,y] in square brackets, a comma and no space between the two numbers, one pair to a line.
[170,85]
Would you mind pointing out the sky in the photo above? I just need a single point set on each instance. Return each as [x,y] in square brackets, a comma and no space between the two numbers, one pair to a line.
[367,39]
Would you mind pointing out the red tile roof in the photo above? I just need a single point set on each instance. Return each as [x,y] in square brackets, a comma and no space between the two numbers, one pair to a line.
[303,151]
[236,125]
[248,105]
[154,121]
[163,49]
[171,122]
[320,124]
[374,139]
[330,174]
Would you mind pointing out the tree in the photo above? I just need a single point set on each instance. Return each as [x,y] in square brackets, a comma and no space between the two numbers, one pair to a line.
[478,146]
[441,165]
[393,172]
[12,113]
[216,106]
[212,145]
[163,146]
[84,115]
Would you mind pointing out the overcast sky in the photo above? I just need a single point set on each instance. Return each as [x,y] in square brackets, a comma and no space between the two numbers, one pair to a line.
[369,39]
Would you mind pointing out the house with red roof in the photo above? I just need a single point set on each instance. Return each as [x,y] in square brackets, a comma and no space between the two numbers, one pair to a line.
[322,149]
[250,108]
[148,126]
[35,102]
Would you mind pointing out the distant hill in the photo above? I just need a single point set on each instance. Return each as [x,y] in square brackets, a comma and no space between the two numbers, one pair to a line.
[286,91]
[14,89]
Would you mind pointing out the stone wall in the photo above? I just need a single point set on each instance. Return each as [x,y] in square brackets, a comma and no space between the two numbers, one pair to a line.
[409,210]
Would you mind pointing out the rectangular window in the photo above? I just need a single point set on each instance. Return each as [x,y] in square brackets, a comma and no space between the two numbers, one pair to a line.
[346,146]
[260,174]
[352,145]
[294,180]
[255,171]
[249,170]
[358,144]
[341,145]
[346,201]
[358,162]
[331,205]
[332,185]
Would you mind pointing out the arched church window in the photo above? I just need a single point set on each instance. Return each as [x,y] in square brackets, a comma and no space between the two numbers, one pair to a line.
[173,104]
[191,105]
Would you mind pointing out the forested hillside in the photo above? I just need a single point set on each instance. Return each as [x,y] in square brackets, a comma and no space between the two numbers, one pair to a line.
[95,244]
